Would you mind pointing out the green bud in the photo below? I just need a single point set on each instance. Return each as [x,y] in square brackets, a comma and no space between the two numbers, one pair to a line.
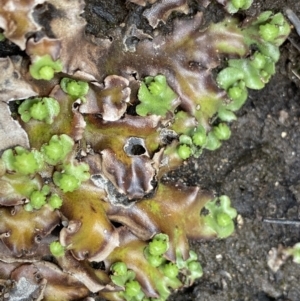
[213,142]
[293,251]
[54,150]
[42,109]
[170,270]
[192,256]
[233,6]
[269,32]
[251,74]
[37,199]
[199,138]
[73,88]
[45,189]
[283,26]
[28,207]
[227,77]
[158,86]
[44,67]
[238,95]
[185,139]
[220,217]
[155,261]
[157,247]
[222,131]
[258,60]
[235,92]
[132,288]
[76,89]
[46,73]
[265,75]
[238,3]
[57,249]
[57,149]
[71,177]
[223,219]
[25,163]
[269,67]
[66,182]
[195,269]
[80,171]
[296,256]
[156,97]
[226,114]
[184,151]
[194,266]
[38,111]
[121,275]
[55,201]
[22,161]
[119,268]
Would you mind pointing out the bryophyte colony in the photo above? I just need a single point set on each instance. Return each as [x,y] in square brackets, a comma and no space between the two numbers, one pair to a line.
[93,132]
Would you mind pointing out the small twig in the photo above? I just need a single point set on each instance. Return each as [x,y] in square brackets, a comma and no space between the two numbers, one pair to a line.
[294,19]
[294,43]
[296,73]
[282,221]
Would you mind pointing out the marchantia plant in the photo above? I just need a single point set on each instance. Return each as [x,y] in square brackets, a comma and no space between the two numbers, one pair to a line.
[84,212]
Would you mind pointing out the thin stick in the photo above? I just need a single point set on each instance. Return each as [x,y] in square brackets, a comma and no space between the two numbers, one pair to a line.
[294,19]
[282,221]
[294,43]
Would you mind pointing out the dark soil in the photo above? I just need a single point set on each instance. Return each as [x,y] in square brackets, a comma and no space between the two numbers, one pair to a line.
[258,168]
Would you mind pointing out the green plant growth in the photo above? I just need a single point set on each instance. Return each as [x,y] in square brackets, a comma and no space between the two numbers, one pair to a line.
[156,249]
[266,33]
[56,249]
[234,5]
[192,267]
[156,96]
[22,161]
[57,149]
[125,278]
[71,176]
[55,201]
[38,198]
[220,216]
[133,291]
[42,109]
[294,252]
[44,67]
[184,151]
[169,273]
[197,140]
[77,89]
